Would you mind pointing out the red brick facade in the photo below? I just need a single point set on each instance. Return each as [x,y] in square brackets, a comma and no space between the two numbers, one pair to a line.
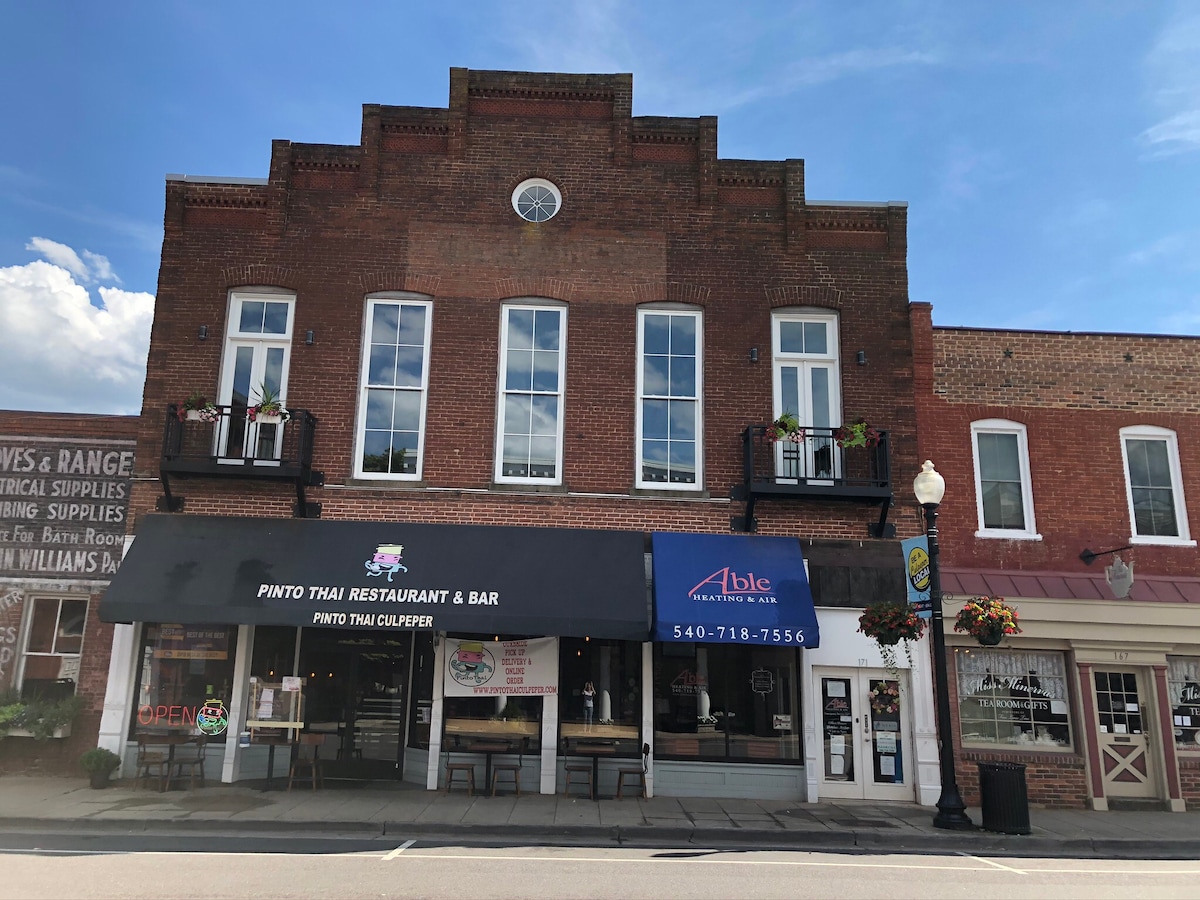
[422,204]
[56,756]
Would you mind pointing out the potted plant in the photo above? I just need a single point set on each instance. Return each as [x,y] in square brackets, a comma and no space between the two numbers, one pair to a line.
[786,428]
[856,434]
[269,409]
[99,764]
[987,619]
[197,408]
[889,623]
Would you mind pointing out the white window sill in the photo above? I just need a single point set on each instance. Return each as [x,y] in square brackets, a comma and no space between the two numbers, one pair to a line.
[1154,541]
[998,534]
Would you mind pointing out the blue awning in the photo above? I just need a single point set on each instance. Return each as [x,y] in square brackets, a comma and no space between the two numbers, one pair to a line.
[738,589]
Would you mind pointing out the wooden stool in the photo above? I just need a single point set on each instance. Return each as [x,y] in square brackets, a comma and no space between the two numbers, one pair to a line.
[639,774]
[468,768]
[512,769]
[585,771]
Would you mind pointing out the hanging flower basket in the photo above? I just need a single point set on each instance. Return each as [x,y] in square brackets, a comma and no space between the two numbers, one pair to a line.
[889,623]
[856,434]
[786,428]
[987,619]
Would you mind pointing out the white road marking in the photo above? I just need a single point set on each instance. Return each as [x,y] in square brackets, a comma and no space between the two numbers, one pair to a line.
[992,863]
[398,850]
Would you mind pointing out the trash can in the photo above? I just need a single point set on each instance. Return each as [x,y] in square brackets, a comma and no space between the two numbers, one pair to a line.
[1004,797]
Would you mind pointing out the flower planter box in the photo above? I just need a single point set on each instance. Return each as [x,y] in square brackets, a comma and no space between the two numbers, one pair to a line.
[64,732]
[268,418]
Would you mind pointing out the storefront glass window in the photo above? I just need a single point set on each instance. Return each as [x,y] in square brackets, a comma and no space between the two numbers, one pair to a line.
[498,718]
[611,671]
[726,701]
[1009,697]
[1183,681]
[421,711]
[182,667]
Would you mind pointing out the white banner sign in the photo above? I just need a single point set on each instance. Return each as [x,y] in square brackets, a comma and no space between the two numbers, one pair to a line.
[490,668]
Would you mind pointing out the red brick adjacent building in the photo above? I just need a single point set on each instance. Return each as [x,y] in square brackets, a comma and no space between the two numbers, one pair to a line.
[1053,444]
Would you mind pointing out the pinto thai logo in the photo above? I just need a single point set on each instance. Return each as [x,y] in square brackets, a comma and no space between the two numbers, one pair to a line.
[472,664]
[386,559]
[212,719]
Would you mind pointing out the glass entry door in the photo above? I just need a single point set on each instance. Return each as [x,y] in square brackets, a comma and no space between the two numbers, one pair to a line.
[865,741]
[357,694]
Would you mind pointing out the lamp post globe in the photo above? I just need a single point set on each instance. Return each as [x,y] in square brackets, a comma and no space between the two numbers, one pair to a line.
[929,487]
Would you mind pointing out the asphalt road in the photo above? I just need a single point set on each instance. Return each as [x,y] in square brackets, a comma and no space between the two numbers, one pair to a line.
[114,865]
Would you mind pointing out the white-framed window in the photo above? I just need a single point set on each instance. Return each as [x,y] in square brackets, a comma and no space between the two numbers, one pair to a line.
[394,388]
[536,200]
[670,388]
[1154,486]
[1012,697]
[533,342]
[807,384]
[258,345]
[1003,486]
[53,643]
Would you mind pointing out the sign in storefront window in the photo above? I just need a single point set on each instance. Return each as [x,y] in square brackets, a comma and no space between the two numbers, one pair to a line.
[184,677]
[726,702]
[1183,681]
[1009,697]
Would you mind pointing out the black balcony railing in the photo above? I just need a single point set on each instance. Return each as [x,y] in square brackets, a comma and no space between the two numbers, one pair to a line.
[813,466]
[225,443]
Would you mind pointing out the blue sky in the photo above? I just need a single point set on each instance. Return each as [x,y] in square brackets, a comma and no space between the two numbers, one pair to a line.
[1049,151]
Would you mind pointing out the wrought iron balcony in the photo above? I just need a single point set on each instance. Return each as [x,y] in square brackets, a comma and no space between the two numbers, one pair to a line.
[227,443]
[813,466]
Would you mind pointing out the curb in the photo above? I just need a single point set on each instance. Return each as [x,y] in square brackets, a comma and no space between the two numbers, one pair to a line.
[971,843]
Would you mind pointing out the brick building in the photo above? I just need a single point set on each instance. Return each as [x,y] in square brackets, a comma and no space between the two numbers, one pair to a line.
[64,493]
[531,346]
[1053,444]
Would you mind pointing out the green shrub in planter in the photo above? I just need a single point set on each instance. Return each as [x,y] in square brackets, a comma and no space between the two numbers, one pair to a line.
[99,764]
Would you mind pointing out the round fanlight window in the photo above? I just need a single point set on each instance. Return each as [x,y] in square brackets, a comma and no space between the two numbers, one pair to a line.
[536,200]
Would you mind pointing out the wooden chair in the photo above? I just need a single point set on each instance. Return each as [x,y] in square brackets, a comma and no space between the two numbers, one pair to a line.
[308,756]
[465,767]
[512,769]
[638,773]
[150,762]
[583,770]
[193,762]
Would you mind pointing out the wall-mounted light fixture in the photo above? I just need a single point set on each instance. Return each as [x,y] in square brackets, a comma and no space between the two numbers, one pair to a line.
[861,357]
[753,354]
[203,332]
[308,337]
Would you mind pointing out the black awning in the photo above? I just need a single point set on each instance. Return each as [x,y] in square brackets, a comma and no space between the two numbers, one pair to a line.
[382,575]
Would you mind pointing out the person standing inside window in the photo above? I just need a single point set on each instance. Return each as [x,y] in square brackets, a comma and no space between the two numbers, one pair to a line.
[589,699]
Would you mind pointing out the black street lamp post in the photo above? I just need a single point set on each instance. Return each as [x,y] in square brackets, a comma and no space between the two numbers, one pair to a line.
[930,487]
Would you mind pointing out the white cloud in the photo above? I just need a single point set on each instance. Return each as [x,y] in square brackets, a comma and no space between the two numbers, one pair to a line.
[92,267]
[59,351]
[1173,71]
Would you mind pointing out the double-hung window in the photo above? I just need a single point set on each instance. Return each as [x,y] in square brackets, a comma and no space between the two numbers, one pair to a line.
[395,377]
[1003,487]
[53,644]
[669,391]
[1154,487]
[533,342]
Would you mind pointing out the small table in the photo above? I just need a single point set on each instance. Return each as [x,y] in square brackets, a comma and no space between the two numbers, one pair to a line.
[272,741]
[488,748]
[595,751]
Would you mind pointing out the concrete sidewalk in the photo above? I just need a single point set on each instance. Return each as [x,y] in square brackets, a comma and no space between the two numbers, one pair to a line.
[402,811]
